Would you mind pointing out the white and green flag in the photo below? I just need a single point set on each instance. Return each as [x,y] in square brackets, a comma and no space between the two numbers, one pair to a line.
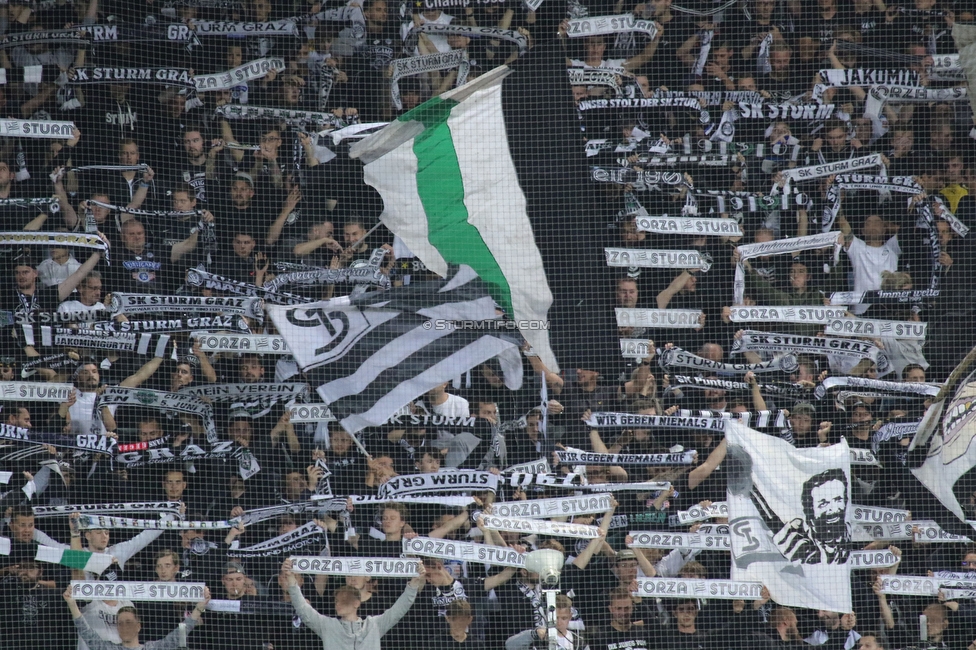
[452,194]
[81,560]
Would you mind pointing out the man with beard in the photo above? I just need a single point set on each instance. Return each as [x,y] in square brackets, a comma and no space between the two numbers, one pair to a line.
[783,633]
[197,170]
[29,296]
[823,536]
[81,404]
[34,618]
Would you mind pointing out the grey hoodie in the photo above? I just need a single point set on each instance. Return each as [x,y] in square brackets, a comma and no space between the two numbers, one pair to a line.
[363,634]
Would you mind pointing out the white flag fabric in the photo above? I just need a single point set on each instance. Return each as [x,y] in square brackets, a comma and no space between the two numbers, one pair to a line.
[444,184]
[950,433]
[788,518]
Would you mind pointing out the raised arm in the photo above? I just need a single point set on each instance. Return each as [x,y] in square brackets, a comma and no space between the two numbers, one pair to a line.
[69,285]
[67,210]
[553,381]
[206,368]
[316,622]
[142,374]
[449,526]
[647,53]
[499,578]
[642,561]
[758,402]
[289,205]
[583,559]
[664,298]
[703,471]
[390,617]
[142,190]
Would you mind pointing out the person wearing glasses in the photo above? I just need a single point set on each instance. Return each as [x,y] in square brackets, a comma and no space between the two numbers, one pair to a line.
[89,295]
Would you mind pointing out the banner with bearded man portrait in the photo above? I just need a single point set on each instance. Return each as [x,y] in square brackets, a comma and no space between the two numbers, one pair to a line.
[788,518]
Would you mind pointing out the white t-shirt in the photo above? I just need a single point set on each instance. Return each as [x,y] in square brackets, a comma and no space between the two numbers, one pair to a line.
[77,305]
[101,618]
[438,41]
[50,273]
[82,413]
[605,64]
[455,406]
[869,262]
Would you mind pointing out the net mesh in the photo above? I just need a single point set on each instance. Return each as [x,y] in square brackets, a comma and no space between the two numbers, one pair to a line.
[654,334]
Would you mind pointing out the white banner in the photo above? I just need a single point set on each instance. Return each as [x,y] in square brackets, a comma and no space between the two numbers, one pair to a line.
[423,63]
[786,314]
[234,392]
[664,318]
[250,71]
[957,576]
[872,559]
[692,588]
[698,513]
[539,527]
[922,532]
[600,420]
[876,385]
[453,481]
[635,348]
[909,585]
[840,167]
[788,518]
[775,247]
[159,592]
[597,25]
[868,77]
[868,514]
[97,522]
[572,482]
[241,343]
[466,551]
[4,546]
[48,129]
[220,28]
[149,507]
[540,466]
[655,259]
[338,504]
[140,303]
[310,413]
[908,330]
[163,400]
[373,567]
[545,508]
[863,457]
[33,391]
[689,226]
[572,456]
[654,539]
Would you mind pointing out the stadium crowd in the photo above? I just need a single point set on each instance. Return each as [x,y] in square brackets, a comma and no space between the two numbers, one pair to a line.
[160,179]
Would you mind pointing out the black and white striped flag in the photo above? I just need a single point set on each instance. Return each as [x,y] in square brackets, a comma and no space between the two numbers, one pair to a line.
[371,355]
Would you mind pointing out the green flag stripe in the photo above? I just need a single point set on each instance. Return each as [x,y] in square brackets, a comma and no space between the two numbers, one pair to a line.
[75,559]
[441,191]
